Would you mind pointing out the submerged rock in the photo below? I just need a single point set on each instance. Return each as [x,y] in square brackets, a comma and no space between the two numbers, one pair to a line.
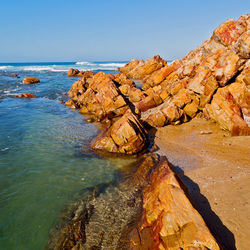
[30,80]
[26,95]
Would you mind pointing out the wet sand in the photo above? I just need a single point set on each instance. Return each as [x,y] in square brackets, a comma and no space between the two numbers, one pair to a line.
[216,169]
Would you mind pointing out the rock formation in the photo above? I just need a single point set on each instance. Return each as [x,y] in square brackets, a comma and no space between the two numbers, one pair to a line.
[169,220]
[197,82]
[212,79]
[30,80]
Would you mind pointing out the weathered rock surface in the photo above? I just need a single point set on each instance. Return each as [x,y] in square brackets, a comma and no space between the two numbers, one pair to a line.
[169,220]
[139,69]
[230,106]
[126,135]
[26,95]
[30,80]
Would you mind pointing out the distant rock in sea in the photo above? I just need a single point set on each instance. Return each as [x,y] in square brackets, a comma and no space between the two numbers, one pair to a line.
[30,80]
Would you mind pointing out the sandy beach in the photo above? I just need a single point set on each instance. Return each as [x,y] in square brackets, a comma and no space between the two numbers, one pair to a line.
[216,169]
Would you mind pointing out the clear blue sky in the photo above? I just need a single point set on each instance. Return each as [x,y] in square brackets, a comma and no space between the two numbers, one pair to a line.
[60,30]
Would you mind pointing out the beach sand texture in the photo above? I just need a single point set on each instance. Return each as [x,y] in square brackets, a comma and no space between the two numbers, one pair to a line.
[216,169]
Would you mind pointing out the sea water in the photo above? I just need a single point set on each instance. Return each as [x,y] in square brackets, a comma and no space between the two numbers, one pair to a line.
[45,155]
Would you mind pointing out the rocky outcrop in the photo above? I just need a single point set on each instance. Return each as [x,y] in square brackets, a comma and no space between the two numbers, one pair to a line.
[210,79]
[30,80]
[126,135]
[169,220]
[26,95]
[193,84]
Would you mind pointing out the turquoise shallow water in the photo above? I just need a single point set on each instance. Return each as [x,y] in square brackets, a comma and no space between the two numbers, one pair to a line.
[45,157]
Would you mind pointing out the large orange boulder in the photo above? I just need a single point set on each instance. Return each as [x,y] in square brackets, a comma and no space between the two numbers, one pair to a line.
[126,136]
[30,80]
[169,220]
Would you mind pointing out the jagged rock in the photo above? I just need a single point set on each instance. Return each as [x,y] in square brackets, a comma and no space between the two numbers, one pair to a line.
[165,113]
[139,69]
[242,46]
[26,95]
[98,95]
[229,31]
[71,103]
[122,79]
[30,80]
[126,135]
[160,75]
[225,110]
[169,220]
[72,72]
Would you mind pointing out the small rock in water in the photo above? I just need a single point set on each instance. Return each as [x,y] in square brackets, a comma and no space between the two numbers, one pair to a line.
[30,80]
[26,95]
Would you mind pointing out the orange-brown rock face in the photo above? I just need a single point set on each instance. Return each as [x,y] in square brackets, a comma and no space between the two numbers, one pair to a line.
[26,95]
[169,220]
[126,135]
[72,72]
[122,79]
[229,31]
[230,106]
[160,75]
[139,69]
[75,72]
[97,94]
[30,80]
[202,71]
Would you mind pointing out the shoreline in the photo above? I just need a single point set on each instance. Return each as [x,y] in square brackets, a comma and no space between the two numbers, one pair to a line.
[214,167]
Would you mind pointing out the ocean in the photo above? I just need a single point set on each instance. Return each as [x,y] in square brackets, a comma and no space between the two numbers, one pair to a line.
[45,155]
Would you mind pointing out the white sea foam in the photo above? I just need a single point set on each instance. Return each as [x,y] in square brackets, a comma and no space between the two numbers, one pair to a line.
[4,149]
[84,63]
[37,68]
[5,67]
[112,65]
